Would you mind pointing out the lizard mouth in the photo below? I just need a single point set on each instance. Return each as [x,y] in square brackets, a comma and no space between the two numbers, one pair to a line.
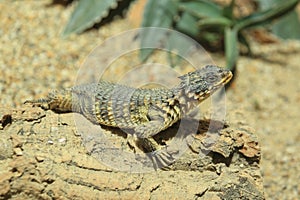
[228,77]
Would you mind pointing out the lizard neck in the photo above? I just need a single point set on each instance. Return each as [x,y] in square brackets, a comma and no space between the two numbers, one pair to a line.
[187,101]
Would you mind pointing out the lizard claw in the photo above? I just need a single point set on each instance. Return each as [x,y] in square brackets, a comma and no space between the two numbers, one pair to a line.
[163,158]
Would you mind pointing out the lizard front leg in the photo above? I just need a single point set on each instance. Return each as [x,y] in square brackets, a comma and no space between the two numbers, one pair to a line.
[159,156]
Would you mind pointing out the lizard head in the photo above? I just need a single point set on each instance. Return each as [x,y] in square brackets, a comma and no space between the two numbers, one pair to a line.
[201,83]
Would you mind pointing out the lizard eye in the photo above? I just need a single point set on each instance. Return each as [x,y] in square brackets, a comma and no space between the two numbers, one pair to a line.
[211,78]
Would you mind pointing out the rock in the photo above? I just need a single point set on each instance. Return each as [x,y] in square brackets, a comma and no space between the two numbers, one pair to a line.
[220,164]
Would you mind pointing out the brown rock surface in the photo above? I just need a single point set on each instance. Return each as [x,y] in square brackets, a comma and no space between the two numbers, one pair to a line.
[47,167]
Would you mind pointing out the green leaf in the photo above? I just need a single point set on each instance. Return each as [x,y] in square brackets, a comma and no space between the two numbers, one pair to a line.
[242,39]
[158,13]
[211,37]
[268,15]
[220,21]
[86,13]
[188,24]
[228,10]
[201,8]
[231,47]
[179,46]
[288,27]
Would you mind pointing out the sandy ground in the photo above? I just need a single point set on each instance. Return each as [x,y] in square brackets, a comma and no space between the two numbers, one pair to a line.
[34,59]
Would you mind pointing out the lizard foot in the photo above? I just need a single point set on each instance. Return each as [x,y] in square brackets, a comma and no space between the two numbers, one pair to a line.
[161,157]
[164,157]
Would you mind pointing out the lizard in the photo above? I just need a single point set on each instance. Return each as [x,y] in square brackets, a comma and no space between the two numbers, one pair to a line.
[146,111]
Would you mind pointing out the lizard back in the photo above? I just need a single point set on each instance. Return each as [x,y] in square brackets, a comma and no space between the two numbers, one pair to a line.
[124,107]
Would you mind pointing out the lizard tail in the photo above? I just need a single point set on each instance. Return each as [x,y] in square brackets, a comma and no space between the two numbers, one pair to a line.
[37,101]
[57,101]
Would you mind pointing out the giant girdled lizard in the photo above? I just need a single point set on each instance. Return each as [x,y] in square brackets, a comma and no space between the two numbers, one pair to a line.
[145,111]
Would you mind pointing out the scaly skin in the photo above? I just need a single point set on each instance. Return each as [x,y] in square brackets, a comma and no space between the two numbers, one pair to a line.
[146,111]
